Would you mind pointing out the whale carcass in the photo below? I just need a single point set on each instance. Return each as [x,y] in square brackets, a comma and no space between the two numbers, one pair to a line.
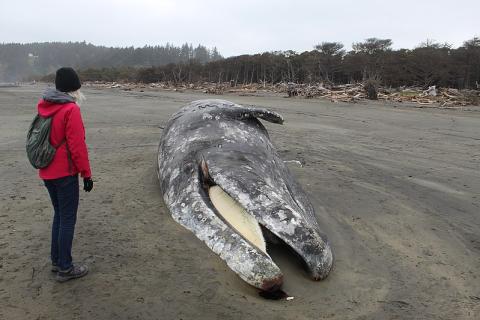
[222,179]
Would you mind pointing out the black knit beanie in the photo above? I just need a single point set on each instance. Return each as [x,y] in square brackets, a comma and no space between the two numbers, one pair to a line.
[66,80]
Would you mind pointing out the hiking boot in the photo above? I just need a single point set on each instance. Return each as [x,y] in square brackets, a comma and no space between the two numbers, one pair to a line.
[54,268]
[72,273]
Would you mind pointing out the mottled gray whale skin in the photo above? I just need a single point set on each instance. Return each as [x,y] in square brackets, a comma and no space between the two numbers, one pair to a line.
[241,159]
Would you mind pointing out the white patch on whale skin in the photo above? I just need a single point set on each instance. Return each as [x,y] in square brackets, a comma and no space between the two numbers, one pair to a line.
[234,132]
[207,116]
[174,174]
[281,215]
[275,224]
[243,197]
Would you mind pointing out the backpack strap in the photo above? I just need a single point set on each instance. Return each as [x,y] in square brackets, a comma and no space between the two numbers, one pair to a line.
[69,155]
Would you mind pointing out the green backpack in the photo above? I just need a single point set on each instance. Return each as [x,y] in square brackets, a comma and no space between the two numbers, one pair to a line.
[39,150]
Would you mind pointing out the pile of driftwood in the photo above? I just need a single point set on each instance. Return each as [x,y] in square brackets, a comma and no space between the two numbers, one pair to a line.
[129,86]
[356,92]
[205,87]
[344,93]
[444,97]
[211,88]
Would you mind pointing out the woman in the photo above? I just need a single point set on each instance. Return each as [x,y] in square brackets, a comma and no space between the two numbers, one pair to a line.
[61,175]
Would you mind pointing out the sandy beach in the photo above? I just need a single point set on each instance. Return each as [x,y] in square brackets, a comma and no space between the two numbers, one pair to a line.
[396,189]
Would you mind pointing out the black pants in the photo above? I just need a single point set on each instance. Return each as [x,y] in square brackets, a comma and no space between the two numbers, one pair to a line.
[64,193]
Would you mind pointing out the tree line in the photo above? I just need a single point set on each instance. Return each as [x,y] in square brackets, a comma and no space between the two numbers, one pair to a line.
[374,59]
[430,63]
[20,61]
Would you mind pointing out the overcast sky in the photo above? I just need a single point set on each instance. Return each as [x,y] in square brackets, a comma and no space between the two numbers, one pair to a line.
[241,26]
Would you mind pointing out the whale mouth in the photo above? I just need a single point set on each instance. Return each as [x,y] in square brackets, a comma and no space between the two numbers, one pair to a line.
[243,223]
[237,217]
[231,212]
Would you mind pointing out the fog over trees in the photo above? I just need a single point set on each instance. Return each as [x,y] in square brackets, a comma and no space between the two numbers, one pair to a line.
[20,61]
[430,63]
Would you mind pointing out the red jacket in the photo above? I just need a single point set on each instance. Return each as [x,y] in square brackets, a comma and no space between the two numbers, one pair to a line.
[67,126]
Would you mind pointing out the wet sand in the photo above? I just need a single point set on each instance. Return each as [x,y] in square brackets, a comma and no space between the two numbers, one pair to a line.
[396,189]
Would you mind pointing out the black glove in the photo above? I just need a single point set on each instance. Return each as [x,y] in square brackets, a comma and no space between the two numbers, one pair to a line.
[87,184]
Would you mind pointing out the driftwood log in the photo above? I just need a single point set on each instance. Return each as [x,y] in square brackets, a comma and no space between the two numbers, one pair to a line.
[443,97]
